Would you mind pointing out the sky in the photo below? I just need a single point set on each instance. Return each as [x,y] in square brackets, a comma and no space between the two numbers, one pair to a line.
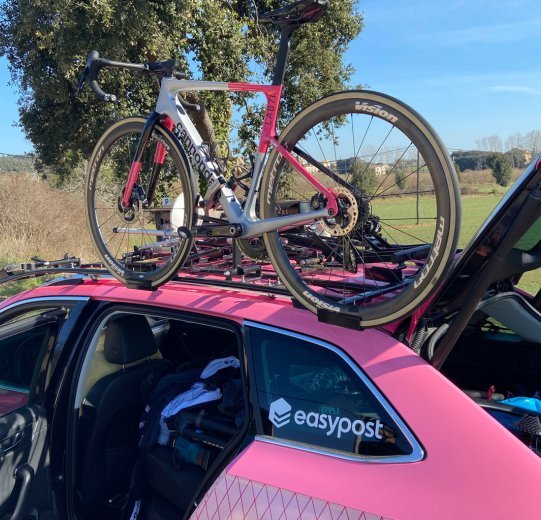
[470,67]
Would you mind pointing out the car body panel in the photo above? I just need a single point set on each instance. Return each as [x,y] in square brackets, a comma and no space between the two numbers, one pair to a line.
[232,496]
[468,455]
[419,490]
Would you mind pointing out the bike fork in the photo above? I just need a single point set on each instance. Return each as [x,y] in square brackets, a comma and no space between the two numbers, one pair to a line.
[135,168]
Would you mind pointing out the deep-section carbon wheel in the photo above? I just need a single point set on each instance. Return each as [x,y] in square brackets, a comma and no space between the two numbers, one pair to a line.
[130,240]
[398,207]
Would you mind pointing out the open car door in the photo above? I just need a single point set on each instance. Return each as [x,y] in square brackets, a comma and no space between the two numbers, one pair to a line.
[29,335]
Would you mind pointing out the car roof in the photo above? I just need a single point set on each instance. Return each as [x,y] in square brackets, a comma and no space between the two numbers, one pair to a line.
[205,297]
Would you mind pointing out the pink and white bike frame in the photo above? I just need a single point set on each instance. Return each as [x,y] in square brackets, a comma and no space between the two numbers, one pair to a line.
[177,120]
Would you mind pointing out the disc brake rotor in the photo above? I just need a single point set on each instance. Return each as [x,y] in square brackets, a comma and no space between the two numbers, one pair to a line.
[348,214]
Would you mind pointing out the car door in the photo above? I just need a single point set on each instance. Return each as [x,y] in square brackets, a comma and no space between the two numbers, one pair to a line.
[30,336]
[321,426]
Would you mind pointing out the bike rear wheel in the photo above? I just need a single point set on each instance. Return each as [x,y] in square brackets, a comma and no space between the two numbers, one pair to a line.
[399,208]
[136,247]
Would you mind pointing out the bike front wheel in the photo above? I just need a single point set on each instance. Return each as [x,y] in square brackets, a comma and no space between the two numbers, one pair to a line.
[399,208]
[139,244]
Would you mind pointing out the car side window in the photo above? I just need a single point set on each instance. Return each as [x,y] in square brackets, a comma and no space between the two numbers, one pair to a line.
[531,238]
[310,394]
[24,339]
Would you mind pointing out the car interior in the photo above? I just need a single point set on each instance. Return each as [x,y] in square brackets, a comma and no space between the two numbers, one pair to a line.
[135,365]
[497,358]
[497,362]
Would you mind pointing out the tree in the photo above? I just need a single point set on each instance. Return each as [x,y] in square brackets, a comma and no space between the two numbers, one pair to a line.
[16,163]
[514,141]
[400,178]
[518,157]
[492,143]
[495,143]
[532,142]
[502,168]
[469,160]
[364,177]
[46,44]
[482,144]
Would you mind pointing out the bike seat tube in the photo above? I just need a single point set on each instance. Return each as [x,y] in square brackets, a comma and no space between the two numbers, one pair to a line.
[283,53]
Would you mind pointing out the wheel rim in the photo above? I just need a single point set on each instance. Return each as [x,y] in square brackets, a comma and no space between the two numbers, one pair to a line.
[126,237]
[399,212]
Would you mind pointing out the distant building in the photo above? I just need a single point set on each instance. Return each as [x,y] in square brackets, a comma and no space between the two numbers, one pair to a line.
[344,166]
[311,168]
[381,169]
[331,165]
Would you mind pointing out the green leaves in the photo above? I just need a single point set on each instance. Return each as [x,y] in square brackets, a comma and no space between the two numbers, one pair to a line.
[47,42]
[502,168]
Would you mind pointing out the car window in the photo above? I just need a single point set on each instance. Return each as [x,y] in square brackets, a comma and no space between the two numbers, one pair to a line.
[309,393]
[24,339]
[531,238]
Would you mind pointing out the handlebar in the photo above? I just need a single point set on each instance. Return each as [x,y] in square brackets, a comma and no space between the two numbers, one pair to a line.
[91,72]
[94,64]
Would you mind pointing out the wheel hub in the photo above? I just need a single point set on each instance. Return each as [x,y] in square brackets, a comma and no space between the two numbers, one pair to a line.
[128,214]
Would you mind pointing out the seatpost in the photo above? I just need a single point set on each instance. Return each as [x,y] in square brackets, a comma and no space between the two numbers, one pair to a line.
[283,52]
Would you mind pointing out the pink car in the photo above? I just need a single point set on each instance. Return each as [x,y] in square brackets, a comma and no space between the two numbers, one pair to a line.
[222,400]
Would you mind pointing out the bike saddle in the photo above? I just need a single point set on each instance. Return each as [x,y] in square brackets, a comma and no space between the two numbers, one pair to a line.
[296,13]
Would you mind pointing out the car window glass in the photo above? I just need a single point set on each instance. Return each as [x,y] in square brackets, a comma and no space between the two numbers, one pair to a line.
[531,238]
[24,339]
[310,394]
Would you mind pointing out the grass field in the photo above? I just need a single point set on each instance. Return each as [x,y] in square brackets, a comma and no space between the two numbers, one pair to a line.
[475,210]
[56,223]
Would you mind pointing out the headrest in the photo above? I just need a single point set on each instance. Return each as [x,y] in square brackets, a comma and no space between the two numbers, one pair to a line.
[128,339]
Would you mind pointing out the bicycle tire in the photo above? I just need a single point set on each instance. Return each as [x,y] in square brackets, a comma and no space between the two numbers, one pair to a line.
[392,281]
[124,240]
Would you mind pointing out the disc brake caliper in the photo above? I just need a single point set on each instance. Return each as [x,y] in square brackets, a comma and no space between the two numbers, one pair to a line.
[138,198]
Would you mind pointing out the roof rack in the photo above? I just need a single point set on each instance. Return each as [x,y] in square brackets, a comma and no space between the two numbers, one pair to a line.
[39,267]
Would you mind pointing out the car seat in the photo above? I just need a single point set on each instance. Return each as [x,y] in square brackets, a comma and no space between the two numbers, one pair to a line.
[111,410]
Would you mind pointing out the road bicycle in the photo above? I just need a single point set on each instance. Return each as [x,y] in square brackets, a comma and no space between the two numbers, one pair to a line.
[356,199]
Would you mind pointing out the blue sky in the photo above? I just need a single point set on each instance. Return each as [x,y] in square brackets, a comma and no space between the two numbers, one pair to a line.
[469,67]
